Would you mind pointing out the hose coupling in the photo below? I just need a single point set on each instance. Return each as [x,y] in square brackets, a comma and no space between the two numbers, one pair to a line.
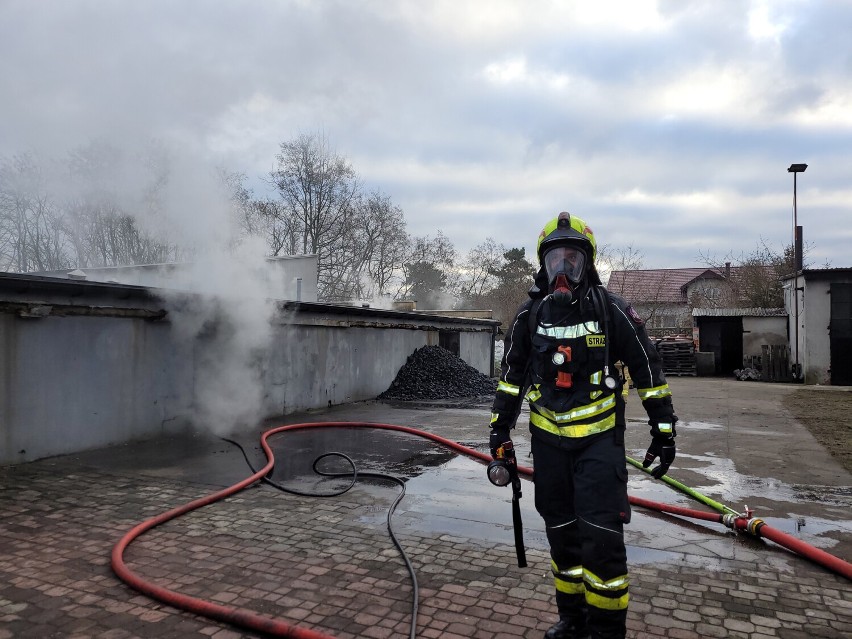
[754,525]
[743,521]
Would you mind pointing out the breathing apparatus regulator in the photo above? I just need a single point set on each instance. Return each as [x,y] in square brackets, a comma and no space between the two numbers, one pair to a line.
[502,472]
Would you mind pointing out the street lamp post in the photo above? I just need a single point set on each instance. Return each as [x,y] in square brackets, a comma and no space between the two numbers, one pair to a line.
[795,169]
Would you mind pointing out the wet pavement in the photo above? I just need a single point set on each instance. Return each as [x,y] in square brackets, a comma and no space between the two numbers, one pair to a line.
[329,565]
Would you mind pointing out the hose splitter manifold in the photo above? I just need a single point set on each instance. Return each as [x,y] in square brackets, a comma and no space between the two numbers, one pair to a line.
[744,521]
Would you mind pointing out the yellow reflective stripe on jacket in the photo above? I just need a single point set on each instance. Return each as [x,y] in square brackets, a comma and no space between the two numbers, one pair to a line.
[506,387]
[533,393]
[494,417]
[657,391]
[569,332]
[595,378]
[578,430]
[665,428]
[583,412]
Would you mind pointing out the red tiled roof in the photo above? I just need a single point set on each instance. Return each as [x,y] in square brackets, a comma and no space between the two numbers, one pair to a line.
[659,285]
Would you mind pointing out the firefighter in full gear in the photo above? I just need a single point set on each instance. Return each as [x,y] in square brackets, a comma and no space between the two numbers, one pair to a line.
[559,354]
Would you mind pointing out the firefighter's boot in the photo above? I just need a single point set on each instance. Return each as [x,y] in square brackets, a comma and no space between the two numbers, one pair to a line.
[573,618]
[567,629]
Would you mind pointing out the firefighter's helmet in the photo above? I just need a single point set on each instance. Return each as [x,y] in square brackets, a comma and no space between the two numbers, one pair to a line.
[570,230]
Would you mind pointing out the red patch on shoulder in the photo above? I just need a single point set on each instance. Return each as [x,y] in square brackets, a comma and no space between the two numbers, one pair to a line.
[634,315]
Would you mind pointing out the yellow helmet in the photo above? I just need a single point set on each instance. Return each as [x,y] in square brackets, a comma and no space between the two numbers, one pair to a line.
[567,229]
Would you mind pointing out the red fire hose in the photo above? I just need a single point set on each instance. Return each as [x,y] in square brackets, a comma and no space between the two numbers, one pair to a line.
[277,628]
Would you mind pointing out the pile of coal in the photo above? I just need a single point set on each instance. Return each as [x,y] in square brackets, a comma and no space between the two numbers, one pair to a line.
[433,372]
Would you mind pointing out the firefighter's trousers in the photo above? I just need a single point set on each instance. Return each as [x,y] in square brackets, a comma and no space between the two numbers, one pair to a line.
[581,493]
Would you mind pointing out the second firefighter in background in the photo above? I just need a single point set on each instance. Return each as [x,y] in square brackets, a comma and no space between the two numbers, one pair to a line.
[560,354]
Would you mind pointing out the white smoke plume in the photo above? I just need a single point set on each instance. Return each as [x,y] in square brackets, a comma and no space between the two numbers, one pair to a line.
[218,298]
[228,310]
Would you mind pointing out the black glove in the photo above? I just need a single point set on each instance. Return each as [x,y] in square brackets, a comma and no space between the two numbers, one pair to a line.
[664,448]
[497,439]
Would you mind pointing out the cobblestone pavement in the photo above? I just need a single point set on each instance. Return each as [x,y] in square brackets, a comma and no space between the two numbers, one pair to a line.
[321,564]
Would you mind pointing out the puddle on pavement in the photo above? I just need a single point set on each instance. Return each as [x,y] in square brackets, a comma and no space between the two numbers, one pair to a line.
[450,494]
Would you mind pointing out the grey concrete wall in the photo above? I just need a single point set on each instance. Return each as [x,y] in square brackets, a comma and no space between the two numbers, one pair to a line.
[85,365]
[814,305]
[814,339]
[68,383]
[311,366]
[758,331]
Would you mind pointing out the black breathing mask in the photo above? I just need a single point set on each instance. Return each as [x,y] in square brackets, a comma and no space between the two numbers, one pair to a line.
[562,293]
[565,266]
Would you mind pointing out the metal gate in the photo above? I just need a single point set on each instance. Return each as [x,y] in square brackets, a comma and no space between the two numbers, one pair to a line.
[840,334]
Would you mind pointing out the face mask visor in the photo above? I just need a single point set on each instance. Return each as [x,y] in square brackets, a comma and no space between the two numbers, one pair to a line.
[569,261]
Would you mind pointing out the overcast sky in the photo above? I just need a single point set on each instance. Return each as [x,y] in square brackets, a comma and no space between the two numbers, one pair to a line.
[667,125]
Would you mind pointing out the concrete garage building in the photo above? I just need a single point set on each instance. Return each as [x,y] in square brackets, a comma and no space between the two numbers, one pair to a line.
[819,306]
[743,337]
[87,364]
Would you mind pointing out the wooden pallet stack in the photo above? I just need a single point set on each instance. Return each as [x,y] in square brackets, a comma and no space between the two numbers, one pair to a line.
[678,355]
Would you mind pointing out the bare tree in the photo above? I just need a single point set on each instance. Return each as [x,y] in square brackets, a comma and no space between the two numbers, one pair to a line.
[244,208]
[360,239]
[429,273]
[385,242]
[281,230]
[755,279]
[479,271]
[31,238]
[515,276]
[317,188]
[110,192]
[620,260]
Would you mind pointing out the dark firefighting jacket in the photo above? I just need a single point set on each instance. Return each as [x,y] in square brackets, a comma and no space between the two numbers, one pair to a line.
[556,361]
